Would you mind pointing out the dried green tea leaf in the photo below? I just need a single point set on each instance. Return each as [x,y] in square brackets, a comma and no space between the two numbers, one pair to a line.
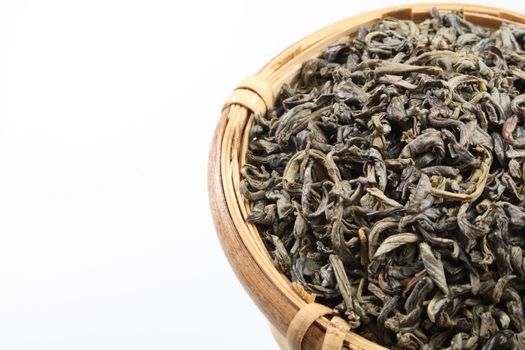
[395,241]
[434,267]
[388,180]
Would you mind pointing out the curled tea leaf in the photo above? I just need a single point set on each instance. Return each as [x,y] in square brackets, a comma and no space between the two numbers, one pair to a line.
[434,267]
[395,241]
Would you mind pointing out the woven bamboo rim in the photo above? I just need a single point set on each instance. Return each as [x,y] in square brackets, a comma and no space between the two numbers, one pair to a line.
[297,321]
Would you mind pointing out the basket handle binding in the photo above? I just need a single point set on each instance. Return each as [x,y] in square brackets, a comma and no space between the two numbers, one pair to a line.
[254,94]
[335,332]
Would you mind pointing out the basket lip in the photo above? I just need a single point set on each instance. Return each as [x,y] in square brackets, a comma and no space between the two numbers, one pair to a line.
[292,55]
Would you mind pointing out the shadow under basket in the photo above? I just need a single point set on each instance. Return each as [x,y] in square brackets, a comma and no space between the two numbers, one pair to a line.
[297,322]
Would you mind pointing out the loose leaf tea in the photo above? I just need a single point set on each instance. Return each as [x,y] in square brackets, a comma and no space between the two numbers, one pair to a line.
[389,181]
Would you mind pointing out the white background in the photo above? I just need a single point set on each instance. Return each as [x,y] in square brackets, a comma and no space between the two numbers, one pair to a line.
[107,109]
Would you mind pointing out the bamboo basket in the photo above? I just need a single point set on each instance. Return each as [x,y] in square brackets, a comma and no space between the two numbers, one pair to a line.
[297,322]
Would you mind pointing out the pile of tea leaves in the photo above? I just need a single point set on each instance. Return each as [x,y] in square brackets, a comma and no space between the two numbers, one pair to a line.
[389,181]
